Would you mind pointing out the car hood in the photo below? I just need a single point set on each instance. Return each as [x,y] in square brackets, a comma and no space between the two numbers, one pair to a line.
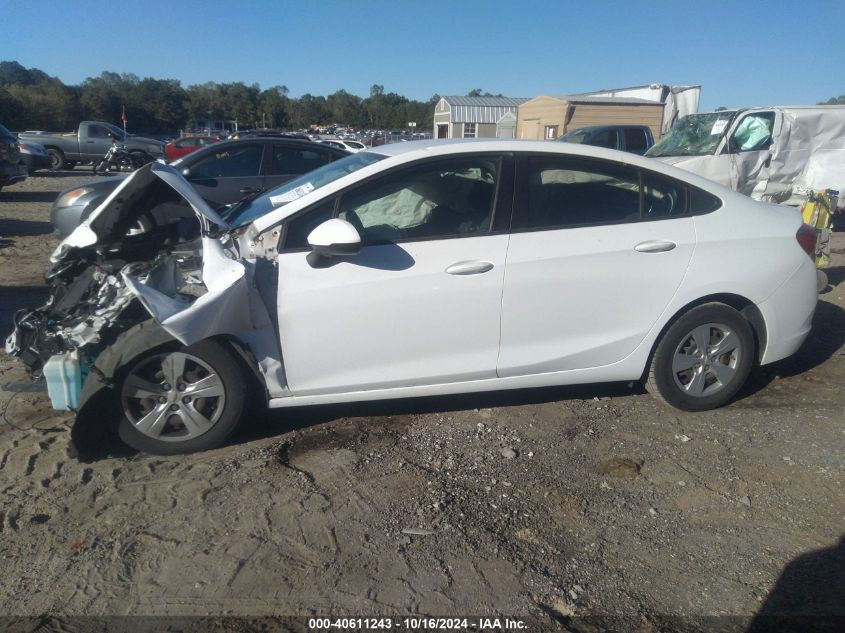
[118,210]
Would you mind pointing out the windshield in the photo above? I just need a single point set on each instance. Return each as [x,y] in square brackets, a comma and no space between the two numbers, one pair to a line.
[694,135]
[114,130]
[249,210]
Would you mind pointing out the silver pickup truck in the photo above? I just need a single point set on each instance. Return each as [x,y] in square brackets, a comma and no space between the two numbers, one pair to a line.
[90,143]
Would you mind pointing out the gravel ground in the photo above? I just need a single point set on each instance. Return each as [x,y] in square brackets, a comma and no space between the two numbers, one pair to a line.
[546,503]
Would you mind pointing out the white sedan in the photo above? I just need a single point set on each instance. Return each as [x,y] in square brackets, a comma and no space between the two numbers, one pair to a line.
[417,269]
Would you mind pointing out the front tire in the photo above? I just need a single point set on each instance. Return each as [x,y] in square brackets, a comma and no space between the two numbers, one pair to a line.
[703,359]
[181,400]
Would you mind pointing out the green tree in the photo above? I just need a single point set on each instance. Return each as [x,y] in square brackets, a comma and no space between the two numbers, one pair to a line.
[840,100]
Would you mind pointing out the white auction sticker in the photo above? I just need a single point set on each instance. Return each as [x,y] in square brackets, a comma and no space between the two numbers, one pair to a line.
[293,194]
[719,127]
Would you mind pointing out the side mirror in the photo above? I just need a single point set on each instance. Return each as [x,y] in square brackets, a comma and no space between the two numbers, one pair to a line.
[330,239]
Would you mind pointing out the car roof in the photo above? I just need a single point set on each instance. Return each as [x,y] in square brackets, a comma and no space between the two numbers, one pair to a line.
[397,154]
[596,128]
[261,140]
[417,149]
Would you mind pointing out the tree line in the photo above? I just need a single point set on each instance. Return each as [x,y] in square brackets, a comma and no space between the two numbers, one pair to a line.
[32,100]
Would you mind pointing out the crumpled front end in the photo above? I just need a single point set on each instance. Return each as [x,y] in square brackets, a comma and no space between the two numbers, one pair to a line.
[152,250]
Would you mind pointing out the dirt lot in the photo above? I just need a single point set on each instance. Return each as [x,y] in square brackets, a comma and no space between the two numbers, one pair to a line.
[542,503]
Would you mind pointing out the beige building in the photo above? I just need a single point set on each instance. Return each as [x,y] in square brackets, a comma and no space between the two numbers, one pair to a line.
[551,117]
[475,117]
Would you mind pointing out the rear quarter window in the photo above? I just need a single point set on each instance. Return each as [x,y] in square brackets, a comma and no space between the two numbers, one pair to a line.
[701,202]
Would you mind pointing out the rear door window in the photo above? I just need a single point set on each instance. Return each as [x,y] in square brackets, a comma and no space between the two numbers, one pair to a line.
[606,138]
[662,197]
[635,140]
[564,191]
[286,160]
[231,162]
[555,192]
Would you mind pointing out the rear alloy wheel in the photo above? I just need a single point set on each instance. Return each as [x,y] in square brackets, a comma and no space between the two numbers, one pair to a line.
[57,159]
[182,401]
[703,359]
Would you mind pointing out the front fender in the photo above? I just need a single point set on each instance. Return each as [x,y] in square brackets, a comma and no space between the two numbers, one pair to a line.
[128,345]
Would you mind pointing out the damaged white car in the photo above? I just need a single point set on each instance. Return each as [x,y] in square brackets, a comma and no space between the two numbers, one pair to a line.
[416,269]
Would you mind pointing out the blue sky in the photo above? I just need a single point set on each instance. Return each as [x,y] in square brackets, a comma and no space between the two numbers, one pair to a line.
[743,53]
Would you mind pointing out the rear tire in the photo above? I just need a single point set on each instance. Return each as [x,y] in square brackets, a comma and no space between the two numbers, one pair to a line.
[703,359]
[57,159]
[181,400]
[139,158]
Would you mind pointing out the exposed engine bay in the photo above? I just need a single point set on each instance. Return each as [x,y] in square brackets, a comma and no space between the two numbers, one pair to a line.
[90,302]
[153,249]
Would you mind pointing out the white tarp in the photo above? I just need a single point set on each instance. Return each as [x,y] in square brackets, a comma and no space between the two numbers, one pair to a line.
[678,101]
[809,154]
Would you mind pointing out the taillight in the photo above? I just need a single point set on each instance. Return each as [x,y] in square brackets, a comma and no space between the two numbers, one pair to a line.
[806,237]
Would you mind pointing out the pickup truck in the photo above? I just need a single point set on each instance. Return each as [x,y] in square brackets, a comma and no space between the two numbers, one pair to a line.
[626,138]
[90,143]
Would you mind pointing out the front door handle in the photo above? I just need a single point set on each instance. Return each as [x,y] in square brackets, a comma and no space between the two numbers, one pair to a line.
[655,246]
[469,268]
[249,190]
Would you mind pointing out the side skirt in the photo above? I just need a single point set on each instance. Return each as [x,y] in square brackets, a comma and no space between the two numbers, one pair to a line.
[623,371]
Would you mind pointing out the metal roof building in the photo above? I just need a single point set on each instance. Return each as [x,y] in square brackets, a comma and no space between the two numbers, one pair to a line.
[471,117]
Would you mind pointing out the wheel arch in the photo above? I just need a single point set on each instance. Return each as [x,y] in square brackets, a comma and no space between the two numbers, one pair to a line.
[146,337]
[744,306]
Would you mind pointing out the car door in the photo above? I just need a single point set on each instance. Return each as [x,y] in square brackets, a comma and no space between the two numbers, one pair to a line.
[288,161]
[420,303]
[591,263]
[95,141]
[750,149]
[227,174]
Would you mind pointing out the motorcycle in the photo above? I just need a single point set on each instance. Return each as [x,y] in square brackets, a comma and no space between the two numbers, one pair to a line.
[119,159]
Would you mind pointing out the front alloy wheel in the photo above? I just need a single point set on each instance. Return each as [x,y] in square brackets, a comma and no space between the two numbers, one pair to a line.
[703,359]
[182,401]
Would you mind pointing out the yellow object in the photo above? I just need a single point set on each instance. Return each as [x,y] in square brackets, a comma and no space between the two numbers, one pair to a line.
[818,213]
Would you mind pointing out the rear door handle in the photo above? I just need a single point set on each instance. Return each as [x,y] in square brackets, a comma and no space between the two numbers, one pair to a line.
[248,190]
[469,268]
[655,246]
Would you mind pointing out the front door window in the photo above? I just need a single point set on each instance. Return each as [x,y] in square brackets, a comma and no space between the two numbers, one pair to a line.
[753,133]
[445,198]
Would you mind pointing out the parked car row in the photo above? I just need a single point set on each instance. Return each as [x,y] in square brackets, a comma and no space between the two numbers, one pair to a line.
[222,173]
[12,170]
